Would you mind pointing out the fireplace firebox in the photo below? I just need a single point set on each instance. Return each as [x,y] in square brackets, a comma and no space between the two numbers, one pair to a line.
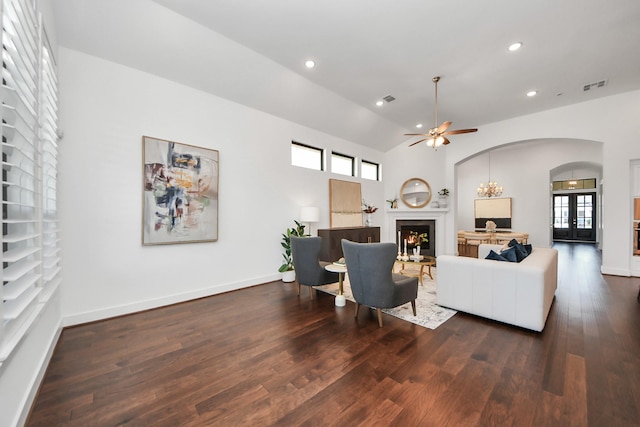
[417,233]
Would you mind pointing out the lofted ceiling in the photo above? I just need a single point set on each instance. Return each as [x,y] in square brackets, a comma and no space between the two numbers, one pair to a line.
[368,49]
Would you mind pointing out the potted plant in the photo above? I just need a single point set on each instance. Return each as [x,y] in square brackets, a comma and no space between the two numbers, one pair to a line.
[368,209]
[288,273]
[443,195]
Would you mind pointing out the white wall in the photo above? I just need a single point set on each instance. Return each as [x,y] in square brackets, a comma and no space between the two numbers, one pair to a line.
[106,108]
[611,121]
[523,169]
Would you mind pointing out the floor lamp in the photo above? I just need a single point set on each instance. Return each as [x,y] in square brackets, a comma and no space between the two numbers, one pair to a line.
[309,214]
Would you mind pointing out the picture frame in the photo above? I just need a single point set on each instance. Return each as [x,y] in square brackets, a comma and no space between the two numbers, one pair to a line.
[345,203]
[497,210]
[180,192]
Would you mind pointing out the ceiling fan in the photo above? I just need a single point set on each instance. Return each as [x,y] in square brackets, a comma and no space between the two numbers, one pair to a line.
[436,136]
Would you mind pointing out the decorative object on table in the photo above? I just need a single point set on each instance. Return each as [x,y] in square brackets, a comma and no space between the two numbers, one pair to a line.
[287,268]
[443,197]
[180,184]
[415,193]
[490,226]
[435,136]
[309,270]
[368,210]
[344,204]
[393,203]
[309,214]
[373,283]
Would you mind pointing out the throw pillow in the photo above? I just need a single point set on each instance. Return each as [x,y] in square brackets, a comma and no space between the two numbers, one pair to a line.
[509,254]
[521,252]
[493,255]
[529,248]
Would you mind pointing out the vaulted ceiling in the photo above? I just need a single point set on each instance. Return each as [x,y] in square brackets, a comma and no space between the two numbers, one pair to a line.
[253,52]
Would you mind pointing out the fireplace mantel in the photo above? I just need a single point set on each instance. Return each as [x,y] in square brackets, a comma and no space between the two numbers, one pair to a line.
[437,214]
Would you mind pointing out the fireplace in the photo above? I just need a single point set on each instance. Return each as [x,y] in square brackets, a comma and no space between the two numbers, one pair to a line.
[417,232]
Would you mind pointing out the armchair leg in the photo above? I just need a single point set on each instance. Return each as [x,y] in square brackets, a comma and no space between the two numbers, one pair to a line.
[379,310]
[413,306]
[310,291]
[357,308]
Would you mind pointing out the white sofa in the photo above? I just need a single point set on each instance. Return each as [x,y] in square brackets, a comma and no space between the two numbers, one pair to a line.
[515,293]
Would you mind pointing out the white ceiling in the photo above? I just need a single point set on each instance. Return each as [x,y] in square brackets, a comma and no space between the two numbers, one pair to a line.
[366,49]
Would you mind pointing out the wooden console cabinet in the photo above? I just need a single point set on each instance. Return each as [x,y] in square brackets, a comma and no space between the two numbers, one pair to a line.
[331,239]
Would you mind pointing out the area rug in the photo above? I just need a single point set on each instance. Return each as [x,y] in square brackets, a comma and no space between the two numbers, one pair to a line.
[429,314]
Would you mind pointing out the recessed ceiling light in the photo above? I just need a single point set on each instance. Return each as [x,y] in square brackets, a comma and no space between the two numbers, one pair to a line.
[515,46]
[310,63]
[419,125]
[379,103]
[532,93]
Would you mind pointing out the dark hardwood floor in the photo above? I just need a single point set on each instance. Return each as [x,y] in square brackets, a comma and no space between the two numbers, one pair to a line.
[264,356]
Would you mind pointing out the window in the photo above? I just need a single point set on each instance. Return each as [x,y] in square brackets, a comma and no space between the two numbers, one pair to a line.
[370,170]
[343,164]
[31,269]
[306,156]
[561,212]
[574,184]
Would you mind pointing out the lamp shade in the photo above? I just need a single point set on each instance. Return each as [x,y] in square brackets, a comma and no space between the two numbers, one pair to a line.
[309,214]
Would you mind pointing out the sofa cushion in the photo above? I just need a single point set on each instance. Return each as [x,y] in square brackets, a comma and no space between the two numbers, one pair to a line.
[510,254]
[521,252]
[495,256]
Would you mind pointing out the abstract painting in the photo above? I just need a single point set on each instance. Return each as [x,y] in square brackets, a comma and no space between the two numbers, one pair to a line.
[180,202]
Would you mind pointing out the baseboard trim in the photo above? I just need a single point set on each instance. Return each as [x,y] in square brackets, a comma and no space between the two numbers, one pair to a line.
[37,383]
[615,271]
[93,316]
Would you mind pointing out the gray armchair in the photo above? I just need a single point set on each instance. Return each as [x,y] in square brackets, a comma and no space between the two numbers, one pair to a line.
[373,284]
[310,271]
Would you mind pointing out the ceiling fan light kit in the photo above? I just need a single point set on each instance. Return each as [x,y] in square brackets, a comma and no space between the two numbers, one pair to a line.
[435,137]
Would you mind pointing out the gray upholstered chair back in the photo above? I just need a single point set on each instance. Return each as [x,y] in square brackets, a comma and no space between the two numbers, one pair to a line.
[310,271]
[369,267]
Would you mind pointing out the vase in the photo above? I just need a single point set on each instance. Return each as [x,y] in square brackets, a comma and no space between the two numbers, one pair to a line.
[443,201]
[369,220]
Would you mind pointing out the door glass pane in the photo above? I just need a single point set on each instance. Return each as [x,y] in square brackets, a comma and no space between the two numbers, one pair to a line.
[560,211]
[584,212]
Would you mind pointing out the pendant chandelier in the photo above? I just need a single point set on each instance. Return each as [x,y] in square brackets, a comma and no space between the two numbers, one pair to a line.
[492,189]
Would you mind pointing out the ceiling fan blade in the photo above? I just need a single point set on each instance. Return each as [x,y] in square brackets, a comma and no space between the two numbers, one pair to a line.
[416,134]
[411,145]
[444,126]
[456,132]
[446,141]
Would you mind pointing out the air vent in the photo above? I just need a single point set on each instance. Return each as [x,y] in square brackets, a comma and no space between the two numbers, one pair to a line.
[389,98]
[594,85]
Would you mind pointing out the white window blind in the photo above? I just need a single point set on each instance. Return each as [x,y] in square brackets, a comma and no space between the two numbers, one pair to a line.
[30,248]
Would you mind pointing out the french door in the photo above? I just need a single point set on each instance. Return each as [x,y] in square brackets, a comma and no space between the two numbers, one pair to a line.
[574,217]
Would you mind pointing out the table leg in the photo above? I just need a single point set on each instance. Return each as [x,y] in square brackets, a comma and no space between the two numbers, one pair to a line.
[341,301]
[421,273]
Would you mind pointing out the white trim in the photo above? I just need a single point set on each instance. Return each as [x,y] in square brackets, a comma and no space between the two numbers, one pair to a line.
[92,316]
[439,215]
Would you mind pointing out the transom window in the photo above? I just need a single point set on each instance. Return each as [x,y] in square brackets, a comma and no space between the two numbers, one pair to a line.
[306,156]
[370,170]
[342,164]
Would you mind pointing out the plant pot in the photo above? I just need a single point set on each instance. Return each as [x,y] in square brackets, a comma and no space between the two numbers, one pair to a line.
[443,201]
[289,276]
